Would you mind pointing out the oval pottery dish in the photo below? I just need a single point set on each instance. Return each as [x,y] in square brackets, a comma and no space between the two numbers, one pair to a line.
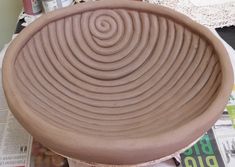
[116,82]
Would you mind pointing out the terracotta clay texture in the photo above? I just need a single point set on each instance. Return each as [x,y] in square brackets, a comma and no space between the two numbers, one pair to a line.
[116,82]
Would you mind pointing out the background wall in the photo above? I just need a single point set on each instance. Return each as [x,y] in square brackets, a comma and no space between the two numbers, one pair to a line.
[9,11]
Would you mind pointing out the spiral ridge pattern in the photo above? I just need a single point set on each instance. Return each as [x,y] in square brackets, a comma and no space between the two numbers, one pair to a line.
[117,73]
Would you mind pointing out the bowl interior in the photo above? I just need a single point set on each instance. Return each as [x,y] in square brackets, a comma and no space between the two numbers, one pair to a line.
[117,73]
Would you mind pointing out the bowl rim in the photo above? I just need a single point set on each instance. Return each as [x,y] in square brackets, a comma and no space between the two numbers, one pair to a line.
[103,150]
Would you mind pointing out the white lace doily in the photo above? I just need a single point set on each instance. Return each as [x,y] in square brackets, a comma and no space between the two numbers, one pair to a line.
[219,14]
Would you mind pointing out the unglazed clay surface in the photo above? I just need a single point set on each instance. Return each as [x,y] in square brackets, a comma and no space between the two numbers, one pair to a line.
[116,82]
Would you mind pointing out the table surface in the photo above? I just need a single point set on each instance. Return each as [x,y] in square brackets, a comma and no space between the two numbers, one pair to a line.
[228,34]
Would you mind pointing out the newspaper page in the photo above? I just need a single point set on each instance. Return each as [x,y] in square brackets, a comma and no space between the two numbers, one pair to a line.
[225,137]
[15,142]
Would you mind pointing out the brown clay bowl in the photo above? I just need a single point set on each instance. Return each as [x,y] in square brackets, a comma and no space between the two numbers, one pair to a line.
[116,82]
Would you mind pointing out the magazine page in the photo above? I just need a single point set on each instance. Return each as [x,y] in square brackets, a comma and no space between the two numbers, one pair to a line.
[205,153]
